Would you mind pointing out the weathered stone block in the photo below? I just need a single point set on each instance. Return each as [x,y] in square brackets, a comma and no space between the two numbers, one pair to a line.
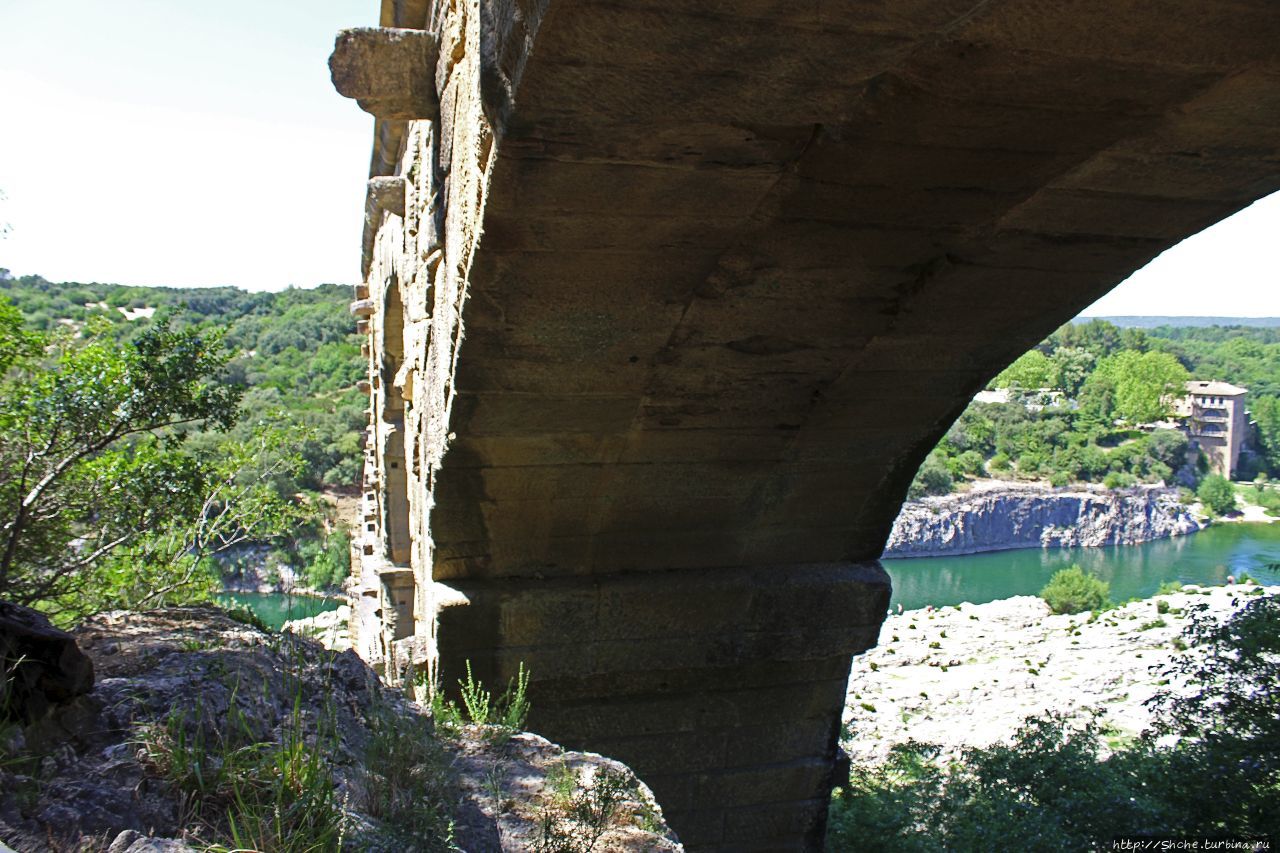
[390,72]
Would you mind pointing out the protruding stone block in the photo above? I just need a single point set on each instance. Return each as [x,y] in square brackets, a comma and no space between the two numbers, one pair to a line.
[387,192]
[362,308]
[363,386]
[362,291]
[362,327]
[390,72]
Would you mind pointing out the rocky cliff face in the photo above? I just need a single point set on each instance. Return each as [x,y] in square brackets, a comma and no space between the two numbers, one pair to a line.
[996,519]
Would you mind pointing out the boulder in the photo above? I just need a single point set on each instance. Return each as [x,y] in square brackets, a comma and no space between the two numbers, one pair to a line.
[40,665]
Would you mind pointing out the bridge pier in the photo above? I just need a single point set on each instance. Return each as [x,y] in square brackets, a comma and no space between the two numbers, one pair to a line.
[725,273]
[722,688]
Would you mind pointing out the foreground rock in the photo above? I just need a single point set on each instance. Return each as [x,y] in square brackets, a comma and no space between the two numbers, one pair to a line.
[188,687]
[969,675]
[1007,515]
[40,666]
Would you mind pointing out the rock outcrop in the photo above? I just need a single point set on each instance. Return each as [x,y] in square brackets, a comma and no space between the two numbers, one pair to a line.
[1009,516]
[40,665]
[330,629]
[184,693]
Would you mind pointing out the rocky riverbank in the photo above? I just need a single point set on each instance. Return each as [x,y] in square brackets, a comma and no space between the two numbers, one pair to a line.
[192,716]
[969,675]
[1001,516]
[331,629]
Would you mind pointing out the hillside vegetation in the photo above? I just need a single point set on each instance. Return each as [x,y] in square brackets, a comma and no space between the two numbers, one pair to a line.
[111,379]
[296,351]
[1078,398]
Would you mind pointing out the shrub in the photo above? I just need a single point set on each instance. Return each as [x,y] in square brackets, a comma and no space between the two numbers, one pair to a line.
[1118,480]
[933,478]
[1220,778]
[1217,494]
[1073,590]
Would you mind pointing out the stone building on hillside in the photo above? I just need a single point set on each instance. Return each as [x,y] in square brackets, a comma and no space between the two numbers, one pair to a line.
[1216,422]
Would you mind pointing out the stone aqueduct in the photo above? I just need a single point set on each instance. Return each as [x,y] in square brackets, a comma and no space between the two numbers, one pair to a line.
[667,299]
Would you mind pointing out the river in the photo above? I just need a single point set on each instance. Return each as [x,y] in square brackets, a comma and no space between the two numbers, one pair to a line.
[1134,571]
[276,608]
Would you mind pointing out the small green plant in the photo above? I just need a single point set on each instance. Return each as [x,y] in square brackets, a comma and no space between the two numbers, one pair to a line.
[1072,590]
[249,794]
[867,706]
[562,780]
[576,824]
[505,717]
[409,785]
[475,699]
[1162,607]
[1169,587]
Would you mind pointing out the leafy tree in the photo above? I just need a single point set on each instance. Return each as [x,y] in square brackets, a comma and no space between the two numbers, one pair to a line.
[1145,384]
[1032,370]
[88,456]
[101,502]
[1217,494]
[1266,411]
[1071,367]
[933,478]
[239,504]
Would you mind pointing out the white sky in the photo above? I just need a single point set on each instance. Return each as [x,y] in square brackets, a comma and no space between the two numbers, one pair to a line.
[1231,269]
[175,142]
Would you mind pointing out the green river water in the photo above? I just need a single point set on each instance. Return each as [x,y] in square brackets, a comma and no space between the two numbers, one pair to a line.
[1134,571]
[276,608]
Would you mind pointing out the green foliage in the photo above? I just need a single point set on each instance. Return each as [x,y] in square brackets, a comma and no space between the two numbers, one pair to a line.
[328,563]
[91,458]
[1144,385]
[1029,790]
[578,816]
[408,788]
[1107,373]
[249,794]
[1266,411]
[1072,590]
[109,494]
[1032,370]
[294,350]
[506,716]
[933,478]
[1218,778]
[1217,495]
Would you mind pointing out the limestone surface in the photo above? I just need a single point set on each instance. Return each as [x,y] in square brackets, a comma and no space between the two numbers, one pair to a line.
[969,675]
